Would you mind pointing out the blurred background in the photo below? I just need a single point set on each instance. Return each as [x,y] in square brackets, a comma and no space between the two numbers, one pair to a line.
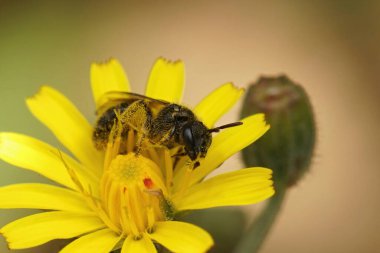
[332,48]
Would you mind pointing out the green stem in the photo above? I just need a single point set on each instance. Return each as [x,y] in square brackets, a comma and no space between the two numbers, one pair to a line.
[255,235]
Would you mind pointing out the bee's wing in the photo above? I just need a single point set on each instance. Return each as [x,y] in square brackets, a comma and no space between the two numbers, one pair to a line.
[114,98]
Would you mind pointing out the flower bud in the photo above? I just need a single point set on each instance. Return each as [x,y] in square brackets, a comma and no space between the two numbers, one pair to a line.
[287,148]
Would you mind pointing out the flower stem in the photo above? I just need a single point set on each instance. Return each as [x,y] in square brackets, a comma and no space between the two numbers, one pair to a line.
[255,236]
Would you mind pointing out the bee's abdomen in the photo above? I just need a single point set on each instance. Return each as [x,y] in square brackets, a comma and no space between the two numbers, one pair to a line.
[104,126]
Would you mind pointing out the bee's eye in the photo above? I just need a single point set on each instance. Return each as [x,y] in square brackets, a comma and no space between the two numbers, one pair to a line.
[188,136]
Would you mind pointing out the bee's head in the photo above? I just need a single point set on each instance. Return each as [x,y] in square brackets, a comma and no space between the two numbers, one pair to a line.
[197,137]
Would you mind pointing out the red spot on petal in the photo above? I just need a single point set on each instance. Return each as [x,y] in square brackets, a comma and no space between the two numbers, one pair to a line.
[148,183]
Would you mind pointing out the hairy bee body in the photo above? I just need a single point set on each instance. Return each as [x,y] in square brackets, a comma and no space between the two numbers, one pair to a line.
[104,125]
[160,122]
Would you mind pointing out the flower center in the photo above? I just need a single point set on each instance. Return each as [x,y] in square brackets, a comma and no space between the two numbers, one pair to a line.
[133,193]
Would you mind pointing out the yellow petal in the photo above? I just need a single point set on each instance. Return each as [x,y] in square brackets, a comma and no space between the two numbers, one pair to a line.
[166,81]
[217,103]
[181,237]
[242,187]
[42,196]
[70,127]
[225,144]
[142,245]
[40,228]
[106,77]
[31,154]
[102,241]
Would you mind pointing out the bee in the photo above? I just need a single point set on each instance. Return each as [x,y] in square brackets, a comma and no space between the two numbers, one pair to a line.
[160,122]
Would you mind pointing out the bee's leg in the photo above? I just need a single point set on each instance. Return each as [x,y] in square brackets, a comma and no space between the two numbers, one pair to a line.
[140,138]
[168,137]
[192,165]
[179,154]
[196,164]
[138,117]
[165,138]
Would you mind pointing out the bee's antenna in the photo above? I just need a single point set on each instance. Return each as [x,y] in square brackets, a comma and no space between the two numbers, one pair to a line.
[217,129]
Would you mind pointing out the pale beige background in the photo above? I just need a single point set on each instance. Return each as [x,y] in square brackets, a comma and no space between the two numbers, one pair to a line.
[330,48]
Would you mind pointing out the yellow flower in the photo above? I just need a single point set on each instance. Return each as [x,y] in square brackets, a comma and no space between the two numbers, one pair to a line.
[111,199]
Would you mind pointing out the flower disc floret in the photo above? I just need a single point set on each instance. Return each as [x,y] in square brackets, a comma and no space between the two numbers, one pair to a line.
[132,194]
